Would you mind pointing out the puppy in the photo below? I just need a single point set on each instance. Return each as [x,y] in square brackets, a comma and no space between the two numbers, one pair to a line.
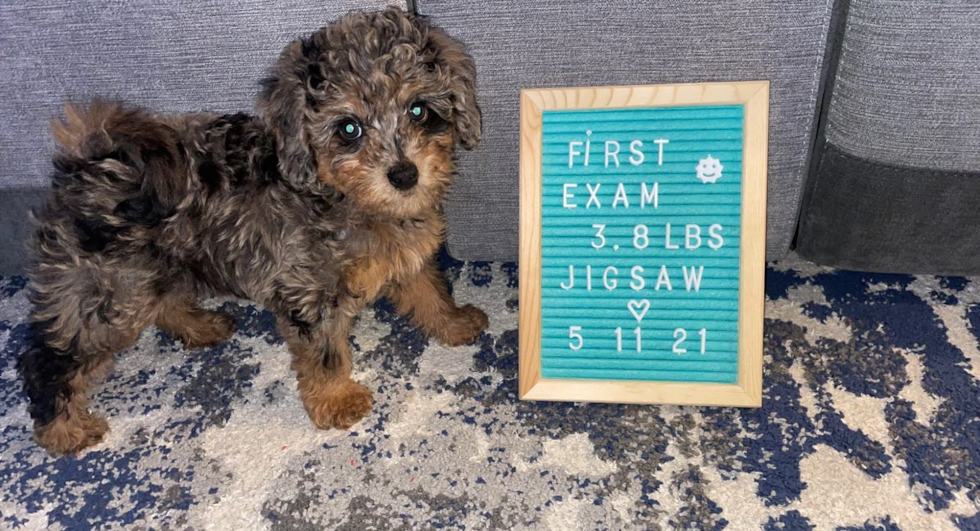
[325,202]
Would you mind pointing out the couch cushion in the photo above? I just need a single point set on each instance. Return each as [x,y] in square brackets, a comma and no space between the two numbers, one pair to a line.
[519,44]
[898,182]
[908,84]
[167,55]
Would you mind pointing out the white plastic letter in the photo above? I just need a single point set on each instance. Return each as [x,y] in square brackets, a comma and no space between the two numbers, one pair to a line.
[621,196]
[566,195]
[663,279]
[588,146]
[680,335]
[571,278]
[592,195]
[613,153]
[692,236]
[693,277]
[650,196]
[637,156]
[660,152]
[572,152]
[573,333]
[667,244]
[717,241]
[638,281]
[609,284]
[602,239]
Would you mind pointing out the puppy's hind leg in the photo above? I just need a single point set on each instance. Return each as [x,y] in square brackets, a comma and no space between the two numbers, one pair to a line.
[76,329]
[56,382]
[179,315]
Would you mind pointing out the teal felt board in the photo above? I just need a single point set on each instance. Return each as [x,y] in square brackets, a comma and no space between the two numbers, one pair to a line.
[640,219]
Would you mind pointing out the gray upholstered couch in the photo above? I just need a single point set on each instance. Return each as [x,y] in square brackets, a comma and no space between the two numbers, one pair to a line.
[896,179]
[875,105]
[168,55]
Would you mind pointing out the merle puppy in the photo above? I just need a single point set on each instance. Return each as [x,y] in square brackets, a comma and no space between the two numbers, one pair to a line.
[326,201]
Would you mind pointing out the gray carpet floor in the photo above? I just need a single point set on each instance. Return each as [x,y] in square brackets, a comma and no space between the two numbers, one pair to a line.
[871,420]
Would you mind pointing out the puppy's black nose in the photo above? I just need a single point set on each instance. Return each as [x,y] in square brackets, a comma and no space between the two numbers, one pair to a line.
[403,176]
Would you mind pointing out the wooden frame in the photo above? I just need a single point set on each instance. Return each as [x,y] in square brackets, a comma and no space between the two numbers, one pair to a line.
[747,392]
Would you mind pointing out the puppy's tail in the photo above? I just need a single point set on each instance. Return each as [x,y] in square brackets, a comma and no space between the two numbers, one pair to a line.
[118,156]
[82,133]
[102,127]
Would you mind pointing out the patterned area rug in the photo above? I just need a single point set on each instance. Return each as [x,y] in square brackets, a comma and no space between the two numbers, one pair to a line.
[871,420]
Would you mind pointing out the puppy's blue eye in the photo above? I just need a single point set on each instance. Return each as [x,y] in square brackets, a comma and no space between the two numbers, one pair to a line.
[418,112]
[349,130]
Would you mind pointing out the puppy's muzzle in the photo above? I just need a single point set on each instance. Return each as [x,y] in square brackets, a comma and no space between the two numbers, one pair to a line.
[403,176]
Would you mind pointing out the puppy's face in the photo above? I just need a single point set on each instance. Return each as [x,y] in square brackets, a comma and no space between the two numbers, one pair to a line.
[389,150]
[374,106]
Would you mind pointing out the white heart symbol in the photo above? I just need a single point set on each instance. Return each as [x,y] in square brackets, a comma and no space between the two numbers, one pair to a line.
[639,308]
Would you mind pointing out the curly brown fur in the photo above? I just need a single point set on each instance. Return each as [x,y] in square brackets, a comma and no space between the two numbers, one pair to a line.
[147,212]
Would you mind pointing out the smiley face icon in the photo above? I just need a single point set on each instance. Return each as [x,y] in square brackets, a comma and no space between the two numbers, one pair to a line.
[709,169]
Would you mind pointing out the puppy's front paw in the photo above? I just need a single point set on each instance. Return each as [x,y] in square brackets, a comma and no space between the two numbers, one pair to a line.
[466,325]
[340,406]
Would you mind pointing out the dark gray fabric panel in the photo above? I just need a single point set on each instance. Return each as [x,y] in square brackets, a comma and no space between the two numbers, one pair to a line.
[16,227]
[869,216]
[519,44]
[908,84]
[168,55]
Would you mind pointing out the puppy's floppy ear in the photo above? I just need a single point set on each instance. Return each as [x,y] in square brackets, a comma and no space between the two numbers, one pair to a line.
[283,103]
[451,57]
